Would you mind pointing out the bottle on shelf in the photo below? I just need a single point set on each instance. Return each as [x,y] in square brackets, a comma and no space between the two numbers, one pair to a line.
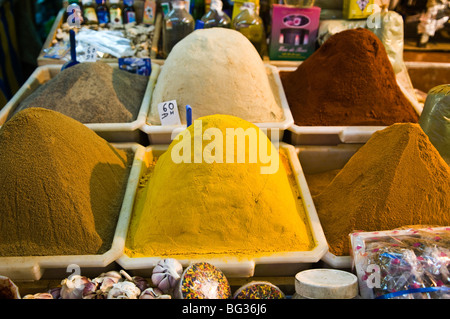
[129,14]
[197,8]
[102,12]
[215,17]
[250,24]
[177,24]
[115,13]
[89,14]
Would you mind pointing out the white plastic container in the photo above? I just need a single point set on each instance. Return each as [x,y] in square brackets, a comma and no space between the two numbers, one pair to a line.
[35,267]
[332,135]
[322,283]
[318,159]
[278,264]
[160,134]
[112,132]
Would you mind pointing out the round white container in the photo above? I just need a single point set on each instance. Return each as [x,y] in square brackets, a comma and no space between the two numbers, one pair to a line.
[325,284]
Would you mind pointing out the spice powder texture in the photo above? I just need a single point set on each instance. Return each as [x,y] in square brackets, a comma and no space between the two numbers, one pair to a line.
[61,186]
[217,209]
[349,80]
[396,179]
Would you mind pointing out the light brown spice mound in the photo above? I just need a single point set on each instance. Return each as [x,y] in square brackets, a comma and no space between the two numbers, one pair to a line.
[61,186]
[397,178]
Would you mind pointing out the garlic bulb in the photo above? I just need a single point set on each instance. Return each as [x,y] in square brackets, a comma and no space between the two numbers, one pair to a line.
[140,282]
[99,287]
[167,274]
[124,290]
[153,293]
[8,289]
[72,287]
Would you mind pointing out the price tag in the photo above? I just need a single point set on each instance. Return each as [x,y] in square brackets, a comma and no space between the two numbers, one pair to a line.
[91,54]
[168,113]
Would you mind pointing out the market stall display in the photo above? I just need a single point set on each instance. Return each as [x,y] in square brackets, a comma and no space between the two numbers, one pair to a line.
[215,204]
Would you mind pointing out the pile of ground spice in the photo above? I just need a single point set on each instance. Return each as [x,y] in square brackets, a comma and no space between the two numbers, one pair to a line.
[192,209]
[396,179]
[91,92]
[61,186]
[349,80]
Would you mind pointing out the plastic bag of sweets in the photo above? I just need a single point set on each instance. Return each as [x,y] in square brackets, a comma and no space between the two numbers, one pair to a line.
[409,263]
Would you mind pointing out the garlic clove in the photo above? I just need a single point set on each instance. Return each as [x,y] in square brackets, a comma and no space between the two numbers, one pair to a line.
[55,292]
[72,287]
[124,290]
[8,290]
[153,293]
[140,282]
[166,274]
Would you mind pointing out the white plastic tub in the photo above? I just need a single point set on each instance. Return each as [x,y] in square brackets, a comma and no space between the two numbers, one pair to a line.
[333,135]
[36,267]
[318,159]
[112,132]
[279,264]
[160,134]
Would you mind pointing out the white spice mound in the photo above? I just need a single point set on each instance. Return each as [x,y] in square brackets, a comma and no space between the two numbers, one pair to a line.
[216,71]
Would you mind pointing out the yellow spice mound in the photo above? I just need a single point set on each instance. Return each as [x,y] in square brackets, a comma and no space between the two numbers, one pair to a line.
[192,209]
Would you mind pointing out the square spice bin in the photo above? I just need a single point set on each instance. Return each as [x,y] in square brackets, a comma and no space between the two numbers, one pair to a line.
[333,135]
[160,134]
[319,159]
[276,264]
[29,268]
[112,132]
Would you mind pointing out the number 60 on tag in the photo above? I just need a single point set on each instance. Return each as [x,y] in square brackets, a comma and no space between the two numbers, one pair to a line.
[168,113]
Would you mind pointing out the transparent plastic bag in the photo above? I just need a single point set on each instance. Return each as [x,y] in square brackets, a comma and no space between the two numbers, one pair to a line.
[388,26]
[435,119]
[111,42]
[411,263]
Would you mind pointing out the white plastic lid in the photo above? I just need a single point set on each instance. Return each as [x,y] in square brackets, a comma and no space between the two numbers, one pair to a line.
[326,284]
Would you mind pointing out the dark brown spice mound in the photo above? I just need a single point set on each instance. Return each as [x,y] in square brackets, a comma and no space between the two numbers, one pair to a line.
[349,80]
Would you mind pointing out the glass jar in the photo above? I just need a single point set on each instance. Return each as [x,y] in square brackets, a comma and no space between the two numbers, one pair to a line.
[250,24]
[215,17]
[178,23]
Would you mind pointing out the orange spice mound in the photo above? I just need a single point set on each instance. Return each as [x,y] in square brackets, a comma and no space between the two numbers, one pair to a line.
[397,178]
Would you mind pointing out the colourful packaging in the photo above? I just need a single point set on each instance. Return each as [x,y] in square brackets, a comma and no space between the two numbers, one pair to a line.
[294,32]
[149,12]
[357,9]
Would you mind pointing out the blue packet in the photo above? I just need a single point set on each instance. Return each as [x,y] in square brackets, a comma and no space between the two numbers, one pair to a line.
[141,66]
